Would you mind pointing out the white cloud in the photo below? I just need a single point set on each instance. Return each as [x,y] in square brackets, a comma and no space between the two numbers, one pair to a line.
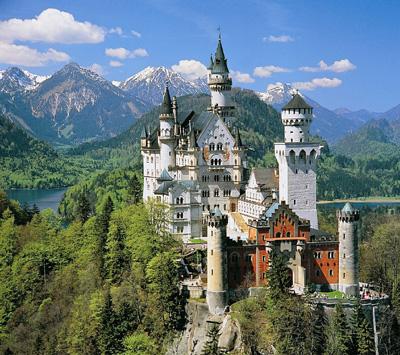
[123,53]
[281,38]
[338,66]
[97,68]
[116,30]
[136,34]
[242,77]
[51,26]
[22,55]
[139,52]
[190,69]
[267,71]
[317,83]
[115,63]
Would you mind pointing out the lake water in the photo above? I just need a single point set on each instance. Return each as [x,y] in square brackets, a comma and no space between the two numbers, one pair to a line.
[359,205]
[44,198]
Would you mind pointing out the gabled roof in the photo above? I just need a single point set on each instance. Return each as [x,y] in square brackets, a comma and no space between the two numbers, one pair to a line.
[271,210]
[216,212]
[165,186]
[296,102]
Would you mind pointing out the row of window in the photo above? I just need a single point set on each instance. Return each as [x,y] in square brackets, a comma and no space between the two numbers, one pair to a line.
[318,254]
[208,207]
[219,146]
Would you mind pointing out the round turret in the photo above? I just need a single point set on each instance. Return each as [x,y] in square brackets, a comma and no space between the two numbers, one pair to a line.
[296,118]
[166,134]
[220,83]
[217,285]
[348,233]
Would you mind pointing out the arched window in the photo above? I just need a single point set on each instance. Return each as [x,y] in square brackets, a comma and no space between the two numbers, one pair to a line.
[288,235]
[292,157]
[302,156]
[212,146]
[278,235]
[181,200]
[219,161]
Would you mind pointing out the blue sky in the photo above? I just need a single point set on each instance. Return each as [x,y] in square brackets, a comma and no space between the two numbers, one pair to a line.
[265,42]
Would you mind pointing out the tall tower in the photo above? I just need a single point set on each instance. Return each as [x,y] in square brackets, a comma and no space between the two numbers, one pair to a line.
[348,231]
[220,84]
[166,135]
[217,283]
[297,158]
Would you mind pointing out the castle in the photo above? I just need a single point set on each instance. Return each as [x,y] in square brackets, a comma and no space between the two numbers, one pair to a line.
[196,164]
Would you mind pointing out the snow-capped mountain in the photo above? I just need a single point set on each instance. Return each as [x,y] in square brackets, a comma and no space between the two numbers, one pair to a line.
[277,95]
[73,105]
[328,124]
[149,84]
[14,79]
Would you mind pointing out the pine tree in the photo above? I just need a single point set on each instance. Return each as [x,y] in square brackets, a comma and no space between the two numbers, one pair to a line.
[338,338]
[318,324]
[83,208]
[395,297]
[134,189]
[35,209]
[362,339]
[211,345]
[278,276]
[103,224]
[108,339]
[116,258]
[365,338]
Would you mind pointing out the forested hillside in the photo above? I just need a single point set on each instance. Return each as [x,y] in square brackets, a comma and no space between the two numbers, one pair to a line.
[30,163]
[108,283]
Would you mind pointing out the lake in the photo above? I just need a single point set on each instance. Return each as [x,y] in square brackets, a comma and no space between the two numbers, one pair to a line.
[360,204]
[44,198]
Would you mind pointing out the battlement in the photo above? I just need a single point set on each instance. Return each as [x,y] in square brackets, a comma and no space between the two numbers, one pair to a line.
[348,214]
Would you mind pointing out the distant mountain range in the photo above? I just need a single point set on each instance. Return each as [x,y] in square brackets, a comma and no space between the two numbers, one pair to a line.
[76,105]
[149,84]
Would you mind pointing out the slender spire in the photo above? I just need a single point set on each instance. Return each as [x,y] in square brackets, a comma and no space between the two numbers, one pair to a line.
[210,66]
[238,139]
[220,63]
[143,135]
[166,106]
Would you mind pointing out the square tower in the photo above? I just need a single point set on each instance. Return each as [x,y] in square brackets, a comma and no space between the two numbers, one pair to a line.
[297,159]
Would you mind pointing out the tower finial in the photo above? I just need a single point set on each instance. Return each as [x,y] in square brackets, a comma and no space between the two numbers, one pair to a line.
[219,32]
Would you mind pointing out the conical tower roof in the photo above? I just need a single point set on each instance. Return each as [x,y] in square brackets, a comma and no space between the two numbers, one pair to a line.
[296,102]
[166,106]
[220,62]
[164,176]
[143,135]
[210,66]
[348,208]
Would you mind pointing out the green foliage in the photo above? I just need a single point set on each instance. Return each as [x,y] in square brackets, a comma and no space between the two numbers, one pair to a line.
[211,345]
[278,276]
[140,344]
[338,333]
[165,303]
[115,184]
[57,298]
